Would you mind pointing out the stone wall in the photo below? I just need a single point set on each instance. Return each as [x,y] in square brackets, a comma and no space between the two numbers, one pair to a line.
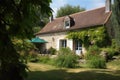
[54,38]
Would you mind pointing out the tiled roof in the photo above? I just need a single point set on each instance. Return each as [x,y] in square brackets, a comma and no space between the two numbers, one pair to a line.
[83,19]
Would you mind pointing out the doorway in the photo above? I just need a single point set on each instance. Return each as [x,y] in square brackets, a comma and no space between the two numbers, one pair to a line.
[78,47]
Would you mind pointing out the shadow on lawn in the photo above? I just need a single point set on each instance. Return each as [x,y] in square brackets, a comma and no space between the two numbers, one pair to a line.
[84,75]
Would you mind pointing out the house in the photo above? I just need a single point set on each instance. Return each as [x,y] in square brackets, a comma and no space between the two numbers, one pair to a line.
[55,31]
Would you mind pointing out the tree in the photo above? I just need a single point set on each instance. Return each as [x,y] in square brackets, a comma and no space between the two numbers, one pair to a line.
[40,23]
[17,18]
[68,9]
[116,20]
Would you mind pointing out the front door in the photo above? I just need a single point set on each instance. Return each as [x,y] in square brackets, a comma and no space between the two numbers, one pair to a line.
[78,47]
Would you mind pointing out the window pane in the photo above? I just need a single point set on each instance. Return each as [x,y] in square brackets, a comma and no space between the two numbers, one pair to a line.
[66,23]
[63,43]
[78,45]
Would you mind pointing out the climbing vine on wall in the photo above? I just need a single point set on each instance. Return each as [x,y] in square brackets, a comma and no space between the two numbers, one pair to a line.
[97,36]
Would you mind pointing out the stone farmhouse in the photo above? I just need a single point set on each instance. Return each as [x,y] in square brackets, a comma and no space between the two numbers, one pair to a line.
[55,31]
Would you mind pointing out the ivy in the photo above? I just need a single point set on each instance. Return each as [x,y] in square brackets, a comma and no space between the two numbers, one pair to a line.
[97,36]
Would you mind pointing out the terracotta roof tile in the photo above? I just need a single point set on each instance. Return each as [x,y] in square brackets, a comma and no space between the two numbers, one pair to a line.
[82,20]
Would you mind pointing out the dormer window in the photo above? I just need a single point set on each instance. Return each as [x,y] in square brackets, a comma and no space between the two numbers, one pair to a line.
[67,22]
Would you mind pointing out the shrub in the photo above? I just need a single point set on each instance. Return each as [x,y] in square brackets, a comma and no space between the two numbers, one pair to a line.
[96,61]
[115,47]
[93,58]
[52,51]
[66,58]
[110,52]
[93,50]
[44,59]
[22,45]
[33,57]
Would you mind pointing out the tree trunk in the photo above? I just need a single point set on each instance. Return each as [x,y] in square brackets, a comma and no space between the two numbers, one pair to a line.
[9,59]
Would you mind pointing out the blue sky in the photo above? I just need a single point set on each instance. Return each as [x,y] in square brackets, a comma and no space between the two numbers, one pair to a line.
[87,4]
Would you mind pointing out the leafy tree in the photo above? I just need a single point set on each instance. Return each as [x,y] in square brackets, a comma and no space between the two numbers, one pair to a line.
[41,22]
[116,20]
[17,18]
[68,9]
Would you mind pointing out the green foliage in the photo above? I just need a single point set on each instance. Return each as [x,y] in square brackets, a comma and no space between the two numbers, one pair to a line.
[93,58]
[115,47]
[110,52]
[97,36]
[41,21]
[96,61]
[22,45]
[68,9]
[44,59]
[17,18]
[117,10]
[33,57]
[115,64]
[116,20]
[52,51]
[93,50]
[66,58]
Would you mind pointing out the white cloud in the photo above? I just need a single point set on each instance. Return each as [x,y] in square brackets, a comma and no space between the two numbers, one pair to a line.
[98,3]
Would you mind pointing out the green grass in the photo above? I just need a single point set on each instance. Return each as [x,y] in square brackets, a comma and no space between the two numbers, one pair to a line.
[47,72]
[114,64]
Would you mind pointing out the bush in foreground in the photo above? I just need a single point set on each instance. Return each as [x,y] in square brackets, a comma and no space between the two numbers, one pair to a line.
[66,58]
[94,59]
[44,59]
[52,51]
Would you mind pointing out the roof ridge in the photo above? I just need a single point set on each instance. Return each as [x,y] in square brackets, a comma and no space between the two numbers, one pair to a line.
[86,11]
[80,12]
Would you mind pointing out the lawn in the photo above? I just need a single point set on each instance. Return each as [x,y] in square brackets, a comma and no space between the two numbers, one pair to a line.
[48,72]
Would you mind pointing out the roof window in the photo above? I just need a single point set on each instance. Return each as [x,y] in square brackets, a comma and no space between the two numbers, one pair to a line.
[67,22]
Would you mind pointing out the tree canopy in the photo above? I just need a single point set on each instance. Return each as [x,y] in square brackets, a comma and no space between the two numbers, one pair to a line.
[68,9]
[116,20]
[17,18]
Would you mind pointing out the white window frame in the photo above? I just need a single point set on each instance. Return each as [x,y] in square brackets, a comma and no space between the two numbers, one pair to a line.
[67,24]
[63,43]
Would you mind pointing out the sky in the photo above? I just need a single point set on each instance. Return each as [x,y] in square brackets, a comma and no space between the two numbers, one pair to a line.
[87,4]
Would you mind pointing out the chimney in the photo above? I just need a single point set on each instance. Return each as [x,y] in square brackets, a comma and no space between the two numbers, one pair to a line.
[51,18]
[108,6]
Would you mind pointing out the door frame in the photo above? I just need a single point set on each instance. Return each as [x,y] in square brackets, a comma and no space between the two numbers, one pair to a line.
[77,47]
